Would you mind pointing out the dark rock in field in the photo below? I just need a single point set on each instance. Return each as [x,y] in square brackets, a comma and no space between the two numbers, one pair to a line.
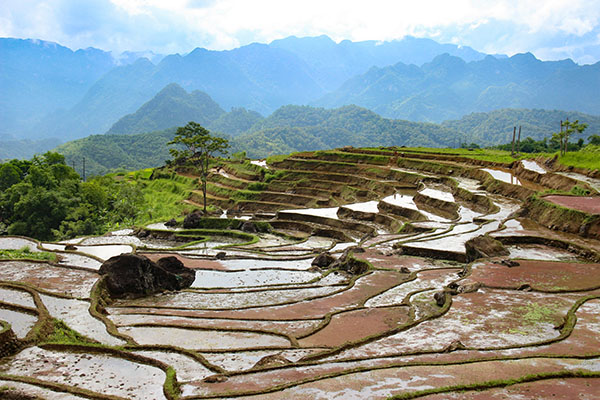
[525,287]
[193,219]
[141,233]
[131,275]
[171,223]
[249,227]
[323,260]
[484,247]
[455,345]
[14,394]
[218,378]
[70,247]
[274,360]
[404,270]
[346,262]
[440,298]
[509,263]
[173,275]
[468,287]
[220,255]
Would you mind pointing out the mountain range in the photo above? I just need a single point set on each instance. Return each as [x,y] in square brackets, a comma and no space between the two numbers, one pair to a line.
[449,87]
[49,93]
[299,128]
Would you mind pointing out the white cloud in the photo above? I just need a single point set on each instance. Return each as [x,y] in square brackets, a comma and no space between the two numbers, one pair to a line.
[181,25]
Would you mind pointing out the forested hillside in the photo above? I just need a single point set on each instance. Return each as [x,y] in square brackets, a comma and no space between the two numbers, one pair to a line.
[105,153]
[299,128]
[172,106]
[495,127]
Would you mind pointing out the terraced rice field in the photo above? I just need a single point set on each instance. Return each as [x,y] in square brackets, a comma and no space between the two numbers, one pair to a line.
[415,315]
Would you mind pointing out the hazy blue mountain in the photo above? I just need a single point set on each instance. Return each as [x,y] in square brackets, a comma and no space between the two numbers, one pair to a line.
[38,77]
[119,92]
[171,107]
[334,63]
[255,76]
[448,87]
[25,148]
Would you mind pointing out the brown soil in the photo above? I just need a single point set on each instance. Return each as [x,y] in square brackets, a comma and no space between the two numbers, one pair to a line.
[559,389]
[590,205]
[540,275]
[355,325]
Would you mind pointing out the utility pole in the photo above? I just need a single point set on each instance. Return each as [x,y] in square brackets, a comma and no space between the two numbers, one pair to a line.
[519,141]
[513,141]
[561,137]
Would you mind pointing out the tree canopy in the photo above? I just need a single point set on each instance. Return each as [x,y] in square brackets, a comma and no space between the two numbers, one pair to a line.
[198,147]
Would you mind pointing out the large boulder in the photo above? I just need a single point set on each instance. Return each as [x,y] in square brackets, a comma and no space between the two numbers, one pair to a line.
[132,275]
[346,262]
[484,247]
[193,219]
[323,260]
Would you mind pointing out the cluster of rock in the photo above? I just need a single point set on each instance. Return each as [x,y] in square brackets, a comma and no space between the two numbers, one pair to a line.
[345,262]
[132,275]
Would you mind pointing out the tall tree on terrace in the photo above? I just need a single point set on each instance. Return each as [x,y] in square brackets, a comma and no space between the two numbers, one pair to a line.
[199,146]
[567,129]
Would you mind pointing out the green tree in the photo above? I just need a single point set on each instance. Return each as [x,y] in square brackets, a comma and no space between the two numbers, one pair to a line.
[567,129]
[198,147]
[9,175]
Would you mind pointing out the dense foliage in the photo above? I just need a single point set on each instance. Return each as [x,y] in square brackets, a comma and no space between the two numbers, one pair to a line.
[46,199]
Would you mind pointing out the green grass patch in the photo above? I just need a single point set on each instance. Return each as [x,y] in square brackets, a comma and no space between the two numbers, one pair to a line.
[588,157]
[26,253]
[163,199]
[62,334]
[171,386]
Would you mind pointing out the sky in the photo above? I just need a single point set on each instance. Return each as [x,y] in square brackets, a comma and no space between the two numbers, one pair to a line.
[550,29]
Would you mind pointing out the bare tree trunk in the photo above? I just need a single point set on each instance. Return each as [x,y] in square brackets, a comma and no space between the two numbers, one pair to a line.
[513,141]
[561,138]
[204,178]
[519,141]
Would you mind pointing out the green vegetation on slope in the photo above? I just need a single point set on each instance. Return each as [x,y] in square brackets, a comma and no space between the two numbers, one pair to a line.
[107,153]
[302,128]
[171,107]
[26,253]
[46,199]
[496,127]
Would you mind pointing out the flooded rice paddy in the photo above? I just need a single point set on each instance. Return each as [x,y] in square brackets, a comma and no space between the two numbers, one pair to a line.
[260,321]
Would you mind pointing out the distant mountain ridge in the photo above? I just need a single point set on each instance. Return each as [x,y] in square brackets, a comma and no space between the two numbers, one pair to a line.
[297,128]
[172,106]
[258,77]
[448,87]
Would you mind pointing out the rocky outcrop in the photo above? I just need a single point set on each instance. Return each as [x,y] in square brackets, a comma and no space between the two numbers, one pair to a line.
[193,219]
[345,262]
[323,260]
[484,247]
[131,275]
[9,343]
